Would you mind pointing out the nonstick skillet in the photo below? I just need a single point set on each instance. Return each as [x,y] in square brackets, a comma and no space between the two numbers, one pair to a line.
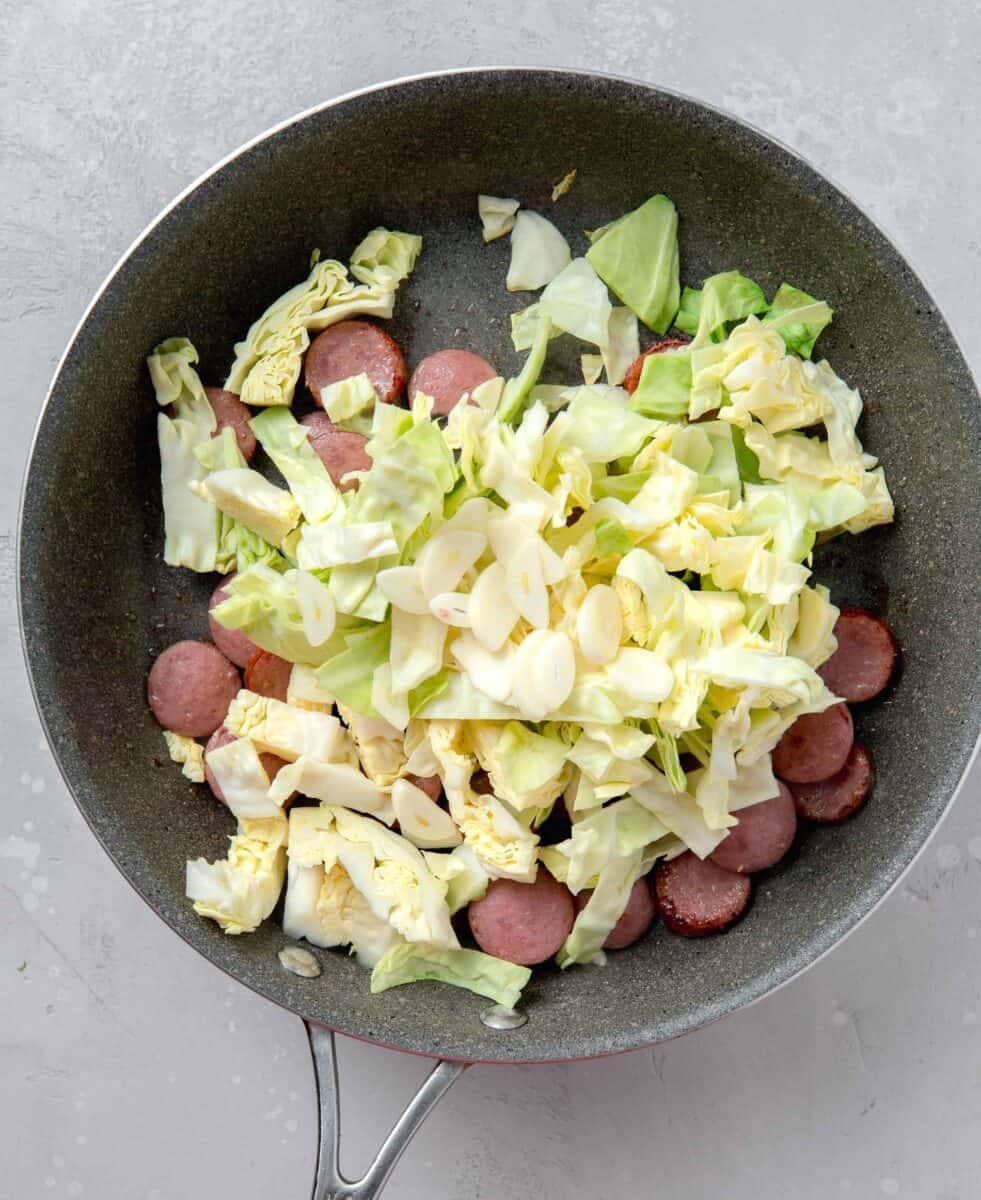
[97,602]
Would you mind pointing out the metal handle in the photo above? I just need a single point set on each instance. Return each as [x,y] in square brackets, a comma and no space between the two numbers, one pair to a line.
[330,1184]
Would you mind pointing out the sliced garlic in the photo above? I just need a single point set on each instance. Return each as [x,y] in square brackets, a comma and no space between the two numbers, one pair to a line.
[544,673]
[452,608]
[599,625]
[492,614]
[491,672]
[421,820]
[526,584]
[317,610]
[403,587]
[642,674]
[446,557]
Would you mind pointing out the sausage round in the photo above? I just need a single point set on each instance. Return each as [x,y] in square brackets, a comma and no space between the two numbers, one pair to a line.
[831,801]
[232,414]
[190,688]
[763,836]
[447,375]
[523,923]
[221,737]
[863,664]
[339,450]
[267,674]
[632,377]
[635,920]
[432,785]
[815,746]
[695,898]
[231,642]
[352,348]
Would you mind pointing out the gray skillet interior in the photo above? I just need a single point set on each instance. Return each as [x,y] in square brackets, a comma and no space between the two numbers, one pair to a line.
[98,603]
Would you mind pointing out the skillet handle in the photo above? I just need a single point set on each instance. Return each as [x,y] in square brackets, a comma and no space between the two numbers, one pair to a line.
[330,1184]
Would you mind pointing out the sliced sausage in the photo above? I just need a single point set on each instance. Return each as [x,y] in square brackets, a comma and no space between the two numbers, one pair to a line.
[523,923]
[268,675]
[221,737]
[447,375]
[695,898]
[763,836]
[432,785]
[632,377]
[863,664]
[635,920]
[231,642]
[831,801]
[232,414]
[352,348]
[339,450]
[815,746]
[190,688]
[481,784]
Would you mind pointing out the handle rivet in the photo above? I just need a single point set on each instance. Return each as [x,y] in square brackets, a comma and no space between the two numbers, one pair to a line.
[499,1017]
[300,962]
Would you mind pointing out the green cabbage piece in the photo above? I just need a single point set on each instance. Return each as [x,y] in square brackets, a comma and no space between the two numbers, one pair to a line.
[286,442]
[407,483]
[576,302]
[620,487]
[515,397]
[268,362]
[192,524]
[262,604]
[238,546]
[709,449]
[616,831]
[611,537]
[603,909]
[723,299]
[798,318]
[665,386]
[604,426]
[637,257]
[348,675]
[525,768]
[494,978]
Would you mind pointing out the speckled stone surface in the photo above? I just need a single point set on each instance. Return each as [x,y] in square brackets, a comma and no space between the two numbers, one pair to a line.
[122,978]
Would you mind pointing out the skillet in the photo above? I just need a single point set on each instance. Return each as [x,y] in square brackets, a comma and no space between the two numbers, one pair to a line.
[413,155]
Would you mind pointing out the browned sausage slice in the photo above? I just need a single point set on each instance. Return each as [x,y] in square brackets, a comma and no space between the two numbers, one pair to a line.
[190,688]
[863,664]
[815,746]
[231,642]
[447,375]
[339,450]
[352,348]
[232,414]
[763,836]
[831,801]
[523,923]
[632,377]
[695,898]
[268,675]
[222,737]
[635,920]
[432,785]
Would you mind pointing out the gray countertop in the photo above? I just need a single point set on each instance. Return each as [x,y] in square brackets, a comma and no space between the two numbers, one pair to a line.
[133,1070]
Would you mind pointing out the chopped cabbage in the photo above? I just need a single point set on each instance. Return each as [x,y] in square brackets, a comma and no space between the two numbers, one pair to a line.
[241,890]
[188,752]
[637,257]
[576,302]
[496,215]
[494,978]
[286,442]
[798,318]
[538,252]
